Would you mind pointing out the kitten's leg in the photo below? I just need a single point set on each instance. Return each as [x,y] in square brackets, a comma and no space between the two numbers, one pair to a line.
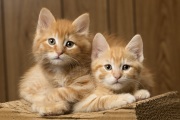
[34,90]
[141,94]
[33,85]
[56,102]
[95,103]
[56,96]
[51,108]
[72,93]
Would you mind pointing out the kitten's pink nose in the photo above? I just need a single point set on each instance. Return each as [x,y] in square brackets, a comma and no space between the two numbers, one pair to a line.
[117,76]
[59,53]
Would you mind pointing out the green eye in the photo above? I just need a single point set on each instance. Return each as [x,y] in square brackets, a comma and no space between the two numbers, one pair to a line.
[125,67]
[69,44]
[108,67]
[51,41]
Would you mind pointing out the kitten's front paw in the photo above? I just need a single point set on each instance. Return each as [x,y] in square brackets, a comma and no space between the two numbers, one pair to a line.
[124,99]
[128,98]
[121,100]
[141,94]
[50,108]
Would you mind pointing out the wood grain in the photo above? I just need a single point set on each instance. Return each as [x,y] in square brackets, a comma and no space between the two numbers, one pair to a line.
[121,18]
[20,23]
[96,8]
[2,63]
[158,23]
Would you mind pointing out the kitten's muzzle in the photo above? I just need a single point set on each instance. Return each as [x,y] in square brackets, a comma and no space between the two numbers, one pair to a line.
[58,57]
[117,77]
[59,53]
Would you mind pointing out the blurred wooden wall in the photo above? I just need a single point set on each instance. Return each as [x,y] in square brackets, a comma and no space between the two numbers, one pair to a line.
[158,21]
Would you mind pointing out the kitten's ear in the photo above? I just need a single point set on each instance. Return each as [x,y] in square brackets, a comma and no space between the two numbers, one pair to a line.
[99,46]
[45,20]
[136,47]
[82,24]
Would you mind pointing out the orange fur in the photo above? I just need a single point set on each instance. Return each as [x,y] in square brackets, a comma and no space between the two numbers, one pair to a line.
[117,86]
[60,76]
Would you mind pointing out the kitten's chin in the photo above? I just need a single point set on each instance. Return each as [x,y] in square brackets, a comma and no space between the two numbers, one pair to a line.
[116,86]
[56,62]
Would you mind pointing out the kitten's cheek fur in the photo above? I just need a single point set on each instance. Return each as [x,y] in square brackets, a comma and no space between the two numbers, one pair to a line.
[141,94]
[110,80]
[52,55]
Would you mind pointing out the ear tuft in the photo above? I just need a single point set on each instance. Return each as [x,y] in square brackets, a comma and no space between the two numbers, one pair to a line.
[99,46]
[135,46]
[46,19]
[82,24]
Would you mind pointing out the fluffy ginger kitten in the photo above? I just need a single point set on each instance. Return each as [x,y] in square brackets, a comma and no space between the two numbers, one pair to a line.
[62,51]
[119,73]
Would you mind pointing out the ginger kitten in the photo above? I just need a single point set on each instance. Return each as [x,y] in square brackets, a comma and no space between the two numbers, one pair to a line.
[60,77]
[119,73]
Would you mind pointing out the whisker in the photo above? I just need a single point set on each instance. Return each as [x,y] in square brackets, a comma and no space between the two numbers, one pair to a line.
[74,60]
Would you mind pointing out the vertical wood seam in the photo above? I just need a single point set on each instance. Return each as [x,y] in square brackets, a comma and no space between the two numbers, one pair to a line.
[134,16]
[62,8]
[4,51]
[108,16]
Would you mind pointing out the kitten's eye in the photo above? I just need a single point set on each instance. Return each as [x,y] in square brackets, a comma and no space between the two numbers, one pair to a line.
[69,44]
[125,67]
[108,67]
[51,41]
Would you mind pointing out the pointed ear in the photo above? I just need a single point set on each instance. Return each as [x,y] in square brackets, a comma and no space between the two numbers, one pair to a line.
[82,24]
[135,46]
[45,20]
[99,46]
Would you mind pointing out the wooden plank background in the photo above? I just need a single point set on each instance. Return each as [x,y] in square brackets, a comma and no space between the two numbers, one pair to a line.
[2,58]
[121,19]
[158,23]
[156,20]
[96,8]
[20,23]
